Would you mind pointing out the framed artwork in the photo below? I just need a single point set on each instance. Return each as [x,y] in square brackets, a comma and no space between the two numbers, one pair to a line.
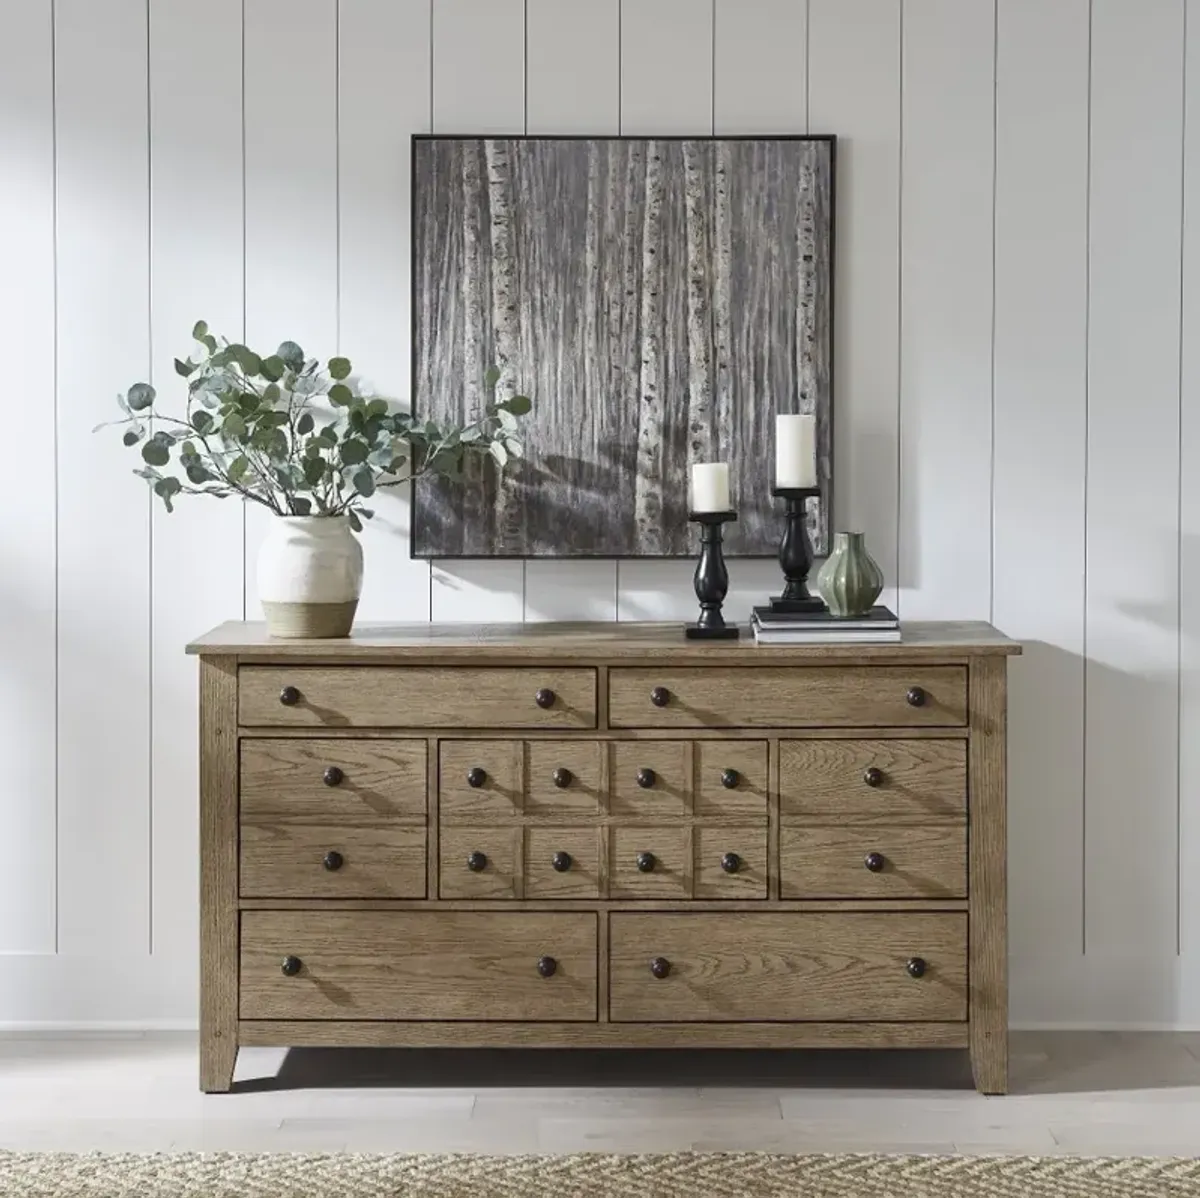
[658,299]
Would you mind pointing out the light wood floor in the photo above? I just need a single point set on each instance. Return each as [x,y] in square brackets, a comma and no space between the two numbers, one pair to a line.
[1086,1093]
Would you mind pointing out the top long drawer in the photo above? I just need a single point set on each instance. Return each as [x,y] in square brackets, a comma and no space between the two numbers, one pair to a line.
[416,697]
[789,697]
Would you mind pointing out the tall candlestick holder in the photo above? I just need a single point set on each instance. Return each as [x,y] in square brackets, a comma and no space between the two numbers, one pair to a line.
[712,579]
[795,553]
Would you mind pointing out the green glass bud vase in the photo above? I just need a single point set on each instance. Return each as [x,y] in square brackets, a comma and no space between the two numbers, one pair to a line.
[849,581]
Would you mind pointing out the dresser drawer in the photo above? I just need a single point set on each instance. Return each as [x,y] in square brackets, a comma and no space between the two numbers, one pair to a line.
[480,863]
[819,861]
[416,697]
[731,778]
[296,860]
[650,779]
[649,862]
[333,781]
[563,863]
[481,780]
[729,862]
[788,697]
[838,967]
[418,965]
[873,781]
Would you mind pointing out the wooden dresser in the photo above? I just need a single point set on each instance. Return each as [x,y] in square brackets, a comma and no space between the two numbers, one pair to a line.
[602,835]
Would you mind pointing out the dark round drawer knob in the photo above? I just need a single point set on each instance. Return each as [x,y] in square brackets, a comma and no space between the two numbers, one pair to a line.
[333,776]
[916,696]
[874,862]
[547,966]
[476,776]
[562,777]
[916,967]
[731,863]
[730,779]
[873,776]
[646,863]
[545,697]
[291,966]
[477,862]
[646,778]
[289,696]
[660,967]
[561,862]
[660,696]
[333,860]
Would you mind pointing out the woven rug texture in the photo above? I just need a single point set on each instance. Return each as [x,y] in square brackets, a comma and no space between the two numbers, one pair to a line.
[675,1175]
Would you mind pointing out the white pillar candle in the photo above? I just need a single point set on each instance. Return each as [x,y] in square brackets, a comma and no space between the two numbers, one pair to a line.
[795,451]
[710,487]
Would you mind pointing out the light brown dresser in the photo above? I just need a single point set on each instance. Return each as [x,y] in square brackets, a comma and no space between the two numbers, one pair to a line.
[602,835]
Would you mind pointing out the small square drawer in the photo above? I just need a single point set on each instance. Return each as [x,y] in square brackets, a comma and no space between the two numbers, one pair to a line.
[787,966]
[788,697]
[437,965]
[873,781]
[818,861]
[730,862]
[650,779]
[731,778]
[481,780]
[649,863]
[562,863]
[416,697]
[563,777]
[480,863]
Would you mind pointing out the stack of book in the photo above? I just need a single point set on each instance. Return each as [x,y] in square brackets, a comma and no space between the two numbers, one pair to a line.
[878,627]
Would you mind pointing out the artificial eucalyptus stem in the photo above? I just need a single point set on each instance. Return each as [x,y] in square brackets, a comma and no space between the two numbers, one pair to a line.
[281,432]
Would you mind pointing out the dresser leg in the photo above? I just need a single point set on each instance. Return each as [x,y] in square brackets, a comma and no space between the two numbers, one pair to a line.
[218,1056]
[989,1060]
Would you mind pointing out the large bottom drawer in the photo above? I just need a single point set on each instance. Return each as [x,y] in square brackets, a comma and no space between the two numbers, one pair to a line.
[837,967]
[418,965]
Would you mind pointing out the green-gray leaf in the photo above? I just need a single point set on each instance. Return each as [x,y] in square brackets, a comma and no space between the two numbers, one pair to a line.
[130,436]
[314,471]
[155,453]
[291,355]
[492,377]
[200,330]
[302,506]
[197,473]
[184,368]
[364,483]
[355,522]
[304,425]
[272,368]
[519,405]
[140,397]
[340,395]
[238,467]
[233,427]
[354,453]
[339,368]
[202,421]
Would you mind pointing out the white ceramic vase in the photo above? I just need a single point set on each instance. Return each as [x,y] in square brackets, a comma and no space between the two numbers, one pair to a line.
[310,576]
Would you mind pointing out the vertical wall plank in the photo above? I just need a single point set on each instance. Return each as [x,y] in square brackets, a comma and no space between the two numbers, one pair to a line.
[27,640]
[383,82]
[1040,440]
[760,66]
[1133,476]
[103,512]
[291,193]
[196,215]
[1189,533]
[569,92]
[946,310]
[666,87]
[478,88]
[854,92]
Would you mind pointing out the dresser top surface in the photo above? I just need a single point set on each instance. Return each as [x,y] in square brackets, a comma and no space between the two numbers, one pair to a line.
[557,641]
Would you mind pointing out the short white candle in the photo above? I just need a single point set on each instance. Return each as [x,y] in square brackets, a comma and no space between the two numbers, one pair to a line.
[795,451]
[710,487]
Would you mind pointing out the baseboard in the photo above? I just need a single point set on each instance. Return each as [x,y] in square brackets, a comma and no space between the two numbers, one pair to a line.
[115,1029]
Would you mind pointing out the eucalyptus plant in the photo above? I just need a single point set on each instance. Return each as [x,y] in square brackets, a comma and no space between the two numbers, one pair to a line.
[296,437]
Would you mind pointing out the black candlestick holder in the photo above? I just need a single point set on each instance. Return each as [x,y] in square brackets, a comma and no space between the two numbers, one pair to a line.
[795,553]
[712,580]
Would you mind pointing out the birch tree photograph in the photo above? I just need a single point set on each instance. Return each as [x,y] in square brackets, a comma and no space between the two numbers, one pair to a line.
[660,300]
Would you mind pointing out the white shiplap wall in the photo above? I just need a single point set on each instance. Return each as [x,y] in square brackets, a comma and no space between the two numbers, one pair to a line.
[1017,402]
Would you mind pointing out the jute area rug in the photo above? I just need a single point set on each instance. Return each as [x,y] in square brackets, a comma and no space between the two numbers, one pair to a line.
[677,1175]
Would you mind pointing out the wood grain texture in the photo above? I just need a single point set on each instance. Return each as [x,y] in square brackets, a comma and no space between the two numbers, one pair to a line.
[800,696]
[218,873]
[748,795]
[797,906]
[819,861]
[988,878]
[502,876]
[583,878]
[501,798]
[922,781]
[285,859]
[582,794]
[417,697]
[770,966]
[383,781]
[669,796]
[391,1034]
[418,965]
[591,642]
[711,880]
[669,879]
